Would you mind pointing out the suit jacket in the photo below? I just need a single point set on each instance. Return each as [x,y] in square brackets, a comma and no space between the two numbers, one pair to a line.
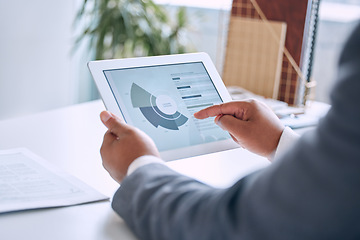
[311,192]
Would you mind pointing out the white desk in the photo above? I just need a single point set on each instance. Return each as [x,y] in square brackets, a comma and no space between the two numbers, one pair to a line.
[71,138]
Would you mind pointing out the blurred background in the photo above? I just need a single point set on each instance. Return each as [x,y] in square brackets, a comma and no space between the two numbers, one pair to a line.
[43,68]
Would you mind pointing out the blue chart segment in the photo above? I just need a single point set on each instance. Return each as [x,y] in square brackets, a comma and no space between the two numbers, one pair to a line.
[159,111]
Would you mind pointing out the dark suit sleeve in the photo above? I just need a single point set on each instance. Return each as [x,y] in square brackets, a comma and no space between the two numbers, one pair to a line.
[312,192]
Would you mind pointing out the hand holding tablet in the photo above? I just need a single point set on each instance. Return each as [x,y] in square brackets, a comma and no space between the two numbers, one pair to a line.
[117,150]
[159,95]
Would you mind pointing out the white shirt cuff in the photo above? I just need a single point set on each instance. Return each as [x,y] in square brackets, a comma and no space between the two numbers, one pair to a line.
[288,137]
[142,161]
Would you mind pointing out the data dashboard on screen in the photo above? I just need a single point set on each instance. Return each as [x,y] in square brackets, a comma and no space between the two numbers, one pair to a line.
[160,94]
[161,100]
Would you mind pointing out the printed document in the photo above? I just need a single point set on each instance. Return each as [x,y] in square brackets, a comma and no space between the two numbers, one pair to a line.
[29,182]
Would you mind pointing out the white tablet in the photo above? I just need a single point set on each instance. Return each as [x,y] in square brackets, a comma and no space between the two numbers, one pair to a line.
[159,95]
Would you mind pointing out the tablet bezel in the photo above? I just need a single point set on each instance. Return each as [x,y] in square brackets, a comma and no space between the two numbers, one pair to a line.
[97,69]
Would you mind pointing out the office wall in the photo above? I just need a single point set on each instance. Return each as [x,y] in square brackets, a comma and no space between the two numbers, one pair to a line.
[37,71]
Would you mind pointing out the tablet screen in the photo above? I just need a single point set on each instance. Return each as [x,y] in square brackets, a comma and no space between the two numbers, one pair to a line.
[161,101]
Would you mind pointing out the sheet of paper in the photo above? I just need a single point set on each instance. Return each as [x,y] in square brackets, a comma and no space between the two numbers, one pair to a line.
[29,182]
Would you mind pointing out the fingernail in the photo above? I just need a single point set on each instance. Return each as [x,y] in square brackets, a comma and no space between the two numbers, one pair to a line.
[219,124]
[105,116]
[217,118]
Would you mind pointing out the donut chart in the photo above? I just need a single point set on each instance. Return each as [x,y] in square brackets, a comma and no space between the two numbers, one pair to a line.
[159,111]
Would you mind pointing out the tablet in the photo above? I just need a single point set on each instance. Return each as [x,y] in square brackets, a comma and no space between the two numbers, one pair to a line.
[160,95]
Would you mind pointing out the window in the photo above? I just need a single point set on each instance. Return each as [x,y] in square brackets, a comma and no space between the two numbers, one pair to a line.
[337,18]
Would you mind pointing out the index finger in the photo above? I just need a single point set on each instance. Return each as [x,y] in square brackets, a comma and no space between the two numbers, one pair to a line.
[230,108]
[212,111]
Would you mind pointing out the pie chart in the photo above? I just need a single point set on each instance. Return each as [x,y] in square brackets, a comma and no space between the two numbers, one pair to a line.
[159,110]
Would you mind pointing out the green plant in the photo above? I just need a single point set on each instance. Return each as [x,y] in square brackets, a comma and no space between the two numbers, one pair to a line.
[130,28]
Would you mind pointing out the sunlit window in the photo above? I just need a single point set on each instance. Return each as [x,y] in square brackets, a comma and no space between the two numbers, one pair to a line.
[337,19]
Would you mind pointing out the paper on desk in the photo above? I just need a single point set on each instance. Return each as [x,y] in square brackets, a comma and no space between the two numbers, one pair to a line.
[29,182]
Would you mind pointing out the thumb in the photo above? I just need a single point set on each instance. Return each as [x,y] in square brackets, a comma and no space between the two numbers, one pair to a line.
[112,122]
[231,124]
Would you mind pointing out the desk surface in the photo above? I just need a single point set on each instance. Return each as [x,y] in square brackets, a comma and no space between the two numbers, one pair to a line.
[71,138]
